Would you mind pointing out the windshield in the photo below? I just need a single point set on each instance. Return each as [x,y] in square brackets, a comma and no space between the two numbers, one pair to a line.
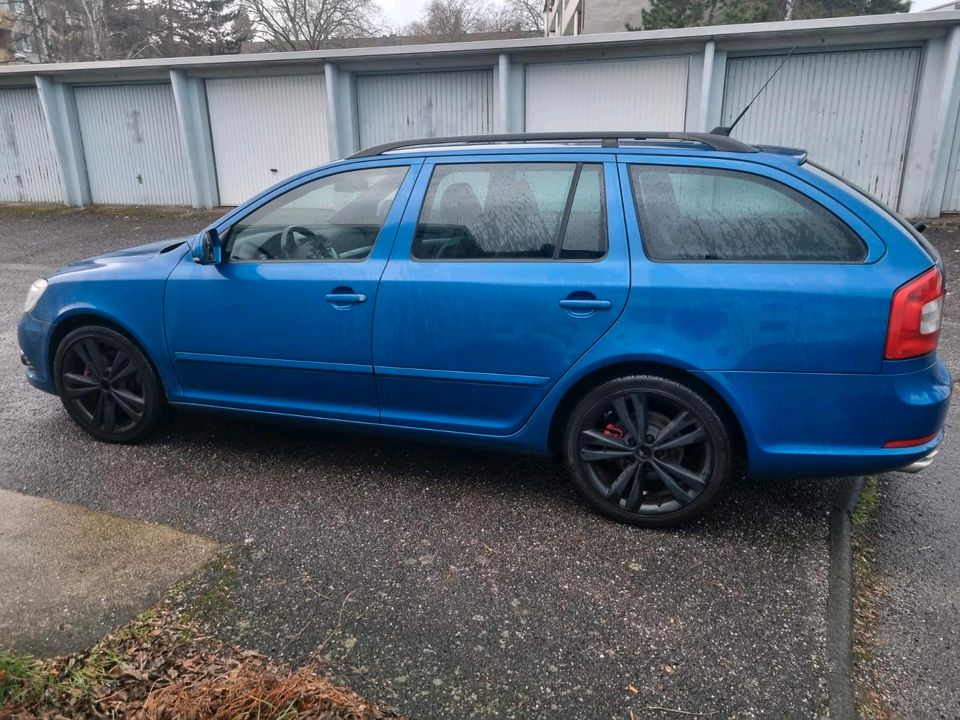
[872,199]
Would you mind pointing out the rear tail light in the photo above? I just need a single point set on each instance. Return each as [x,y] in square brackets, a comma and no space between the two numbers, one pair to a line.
[915,313]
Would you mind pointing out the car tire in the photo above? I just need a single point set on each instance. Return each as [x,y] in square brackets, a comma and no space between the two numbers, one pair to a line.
[107,385]
[647,450]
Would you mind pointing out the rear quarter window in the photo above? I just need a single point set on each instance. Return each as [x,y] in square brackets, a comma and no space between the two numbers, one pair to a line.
[709,214]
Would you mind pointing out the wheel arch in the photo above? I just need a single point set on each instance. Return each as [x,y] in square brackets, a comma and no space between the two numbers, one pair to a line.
[600,375]
[68,323]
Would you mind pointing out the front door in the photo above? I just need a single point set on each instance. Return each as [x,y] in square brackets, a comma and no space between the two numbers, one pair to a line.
[283,324]
[505,271]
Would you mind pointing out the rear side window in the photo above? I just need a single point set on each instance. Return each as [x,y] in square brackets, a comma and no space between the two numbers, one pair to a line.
[513,211]
[707,214]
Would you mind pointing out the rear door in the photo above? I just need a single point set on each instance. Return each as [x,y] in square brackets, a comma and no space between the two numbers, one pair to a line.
[506,270]
[746,267]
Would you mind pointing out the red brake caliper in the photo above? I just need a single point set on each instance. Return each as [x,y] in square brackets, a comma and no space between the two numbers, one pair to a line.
[613,431]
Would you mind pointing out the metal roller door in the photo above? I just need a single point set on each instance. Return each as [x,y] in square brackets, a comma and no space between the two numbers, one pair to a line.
[413,105]
[131,144]
[951,194]
[265,129]
[850,110]
[28,164]
[642,94]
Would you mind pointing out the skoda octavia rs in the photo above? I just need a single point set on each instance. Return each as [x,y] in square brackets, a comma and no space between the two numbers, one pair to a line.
[658,309]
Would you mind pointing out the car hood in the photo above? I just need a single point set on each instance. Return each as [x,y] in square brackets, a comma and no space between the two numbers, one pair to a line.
[140,253]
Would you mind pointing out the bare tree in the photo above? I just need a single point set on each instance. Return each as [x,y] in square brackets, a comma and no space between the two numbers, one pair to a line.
[523,15]
[453,20]
[312,24]
[95,25]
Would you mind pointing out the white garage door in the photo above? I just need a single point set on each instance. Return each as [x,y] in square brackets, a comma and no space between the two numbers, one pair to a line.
[131,144]
[951,195]
[264,130]
[28,164]
[415,105]
[647,94]
[850,110]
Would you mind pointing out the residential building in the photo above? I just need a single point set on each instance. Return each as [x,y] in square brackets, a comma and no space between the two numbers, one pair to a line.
[586,17]
[6,37]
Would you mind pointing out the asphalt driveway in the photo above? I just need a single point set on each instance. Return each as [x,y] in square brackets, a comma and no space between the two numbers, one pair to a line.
[915,662]
[449,583]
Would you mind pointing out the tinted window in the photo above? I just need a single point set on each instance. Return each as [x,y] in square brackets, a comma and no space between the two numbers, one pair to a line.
[709,214]
[504,211]
[334,218]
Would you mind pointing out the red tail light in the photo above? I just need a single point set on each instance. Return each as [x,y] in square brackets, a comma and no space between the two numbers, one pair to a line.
[914,327]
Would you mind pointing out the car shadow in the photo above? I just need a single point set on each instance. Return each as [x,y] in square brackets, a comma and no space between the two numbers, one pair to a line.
[748,503]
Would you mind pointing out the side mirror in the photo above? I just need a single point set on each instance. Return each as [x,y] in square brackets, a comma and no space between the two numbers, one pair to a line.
[207,250]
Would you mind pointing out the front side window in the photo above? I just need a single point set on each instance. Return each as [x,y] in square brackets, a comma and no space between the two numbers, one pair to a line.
[513,211]
[690,213]
[337,217]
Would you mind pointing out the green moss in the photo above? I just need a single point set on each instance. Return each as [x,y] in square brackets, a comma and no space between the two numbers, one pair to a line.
[209,595]
[869,592]
[132,211]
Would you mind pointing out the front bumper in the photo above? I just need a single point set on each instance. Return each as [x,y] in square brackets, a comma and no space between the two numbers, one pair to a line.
[34,338]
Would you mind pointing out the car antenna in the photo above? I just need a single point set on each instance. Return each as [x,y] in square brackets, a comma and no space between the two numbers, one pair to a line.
[721,130]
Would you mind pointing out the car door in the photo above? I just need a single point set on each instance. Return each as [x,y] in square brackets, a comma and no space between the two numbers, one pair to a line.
[505,271]
[283,324]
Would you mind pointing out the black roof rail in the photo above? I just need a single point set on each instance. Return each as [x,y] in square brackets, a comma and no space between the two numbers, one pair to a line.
[608,139]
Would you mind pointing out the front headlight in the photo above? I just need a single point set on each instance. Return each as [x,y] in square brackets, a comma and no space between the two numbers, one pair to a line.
[33,294]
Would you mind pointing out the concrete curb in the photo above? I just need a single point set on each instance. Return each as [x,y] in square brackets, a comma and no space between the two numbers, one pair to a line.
[842,700]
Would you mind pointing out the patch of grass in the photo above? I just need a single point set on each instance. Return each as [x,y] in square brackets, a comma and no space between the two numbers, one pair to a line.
[161,666]
[22,678]
[26,681]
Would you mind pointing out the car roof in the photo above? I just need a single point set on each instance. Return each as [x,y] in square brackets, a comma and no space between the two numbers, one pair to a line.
[626,141]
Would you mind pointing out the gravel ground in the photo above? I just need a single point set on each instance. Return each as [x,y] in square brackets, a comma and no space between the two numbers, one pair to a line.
[450,583]
[917,660]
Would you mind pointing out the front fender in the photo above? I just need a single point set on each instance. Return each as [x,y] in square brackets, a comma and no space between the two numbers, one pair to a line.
[128,296]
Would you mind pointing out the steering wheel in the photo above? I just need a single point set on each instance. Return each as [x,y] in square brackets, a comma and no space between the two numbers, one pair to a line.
[312,247]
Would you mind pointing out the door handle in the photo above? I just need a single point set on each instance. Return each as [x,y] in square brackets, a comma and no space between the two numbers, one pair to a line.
[585,304]
[345,298]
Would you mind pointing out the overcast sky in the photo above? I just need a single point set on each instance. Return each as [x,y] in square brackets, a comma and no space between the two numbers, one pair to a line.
[924,4]
[400,12]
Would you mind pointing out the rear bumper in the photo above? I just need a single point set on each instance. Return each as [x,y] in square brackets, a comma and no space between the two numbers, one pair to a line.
[819,424]
[921,464]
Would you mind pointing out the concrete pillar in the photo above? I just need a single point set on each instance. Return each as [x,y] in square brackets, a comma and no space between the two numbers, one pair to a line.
[510,115]
[190,95]
[934,125]
[342,136]
[63,125]
[712,81]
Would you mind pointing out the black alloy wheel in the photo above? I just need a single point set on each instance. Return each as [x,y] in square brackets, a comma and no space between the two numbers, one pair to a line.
[647,450]
[107,385]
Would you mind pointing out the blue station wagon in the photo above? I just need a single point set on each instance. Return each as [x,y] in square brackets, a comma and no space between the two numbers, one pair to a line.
[659,310]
